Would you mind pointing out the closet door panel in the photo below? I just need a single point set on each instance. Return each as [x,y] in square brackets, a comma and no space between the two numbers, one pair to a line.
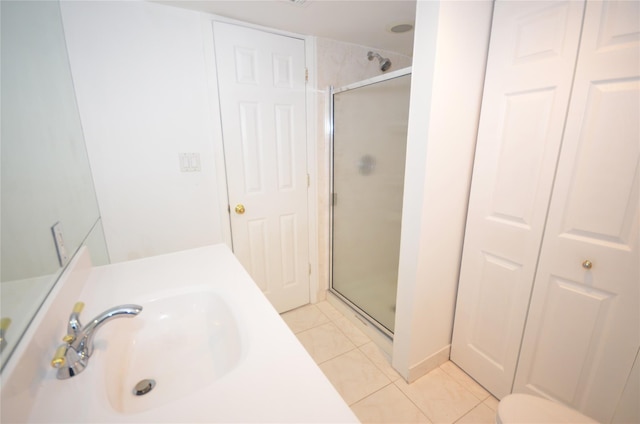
[530,66]
[583,329]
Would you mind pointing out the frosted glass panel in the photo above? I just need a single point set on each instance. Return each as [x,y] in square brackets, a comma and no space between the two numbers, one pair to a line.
[369,146]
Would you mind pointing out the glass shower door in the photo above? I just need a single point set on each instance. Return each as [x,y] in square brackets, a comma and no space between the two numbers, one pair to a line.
[369,146]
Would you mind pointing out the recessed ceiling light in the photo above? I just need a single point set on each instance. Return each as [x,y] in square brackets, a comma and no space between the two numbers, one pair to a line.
[400,28]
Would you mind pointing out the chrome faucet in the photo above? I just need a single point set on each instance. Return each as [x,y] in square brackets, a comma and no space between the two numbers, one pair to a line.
[72,357]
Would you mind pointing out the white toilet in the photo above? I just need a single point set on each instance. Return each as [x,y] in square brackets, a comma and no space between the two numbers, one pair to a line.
[521,408]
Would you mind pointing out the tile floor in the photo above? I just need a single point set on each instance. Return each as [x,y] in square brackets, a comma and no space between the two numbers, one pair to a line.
[376,393]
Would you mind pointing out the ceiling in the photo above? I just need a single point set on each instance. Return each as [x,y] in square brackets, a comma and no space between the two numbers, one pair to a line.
[363,22]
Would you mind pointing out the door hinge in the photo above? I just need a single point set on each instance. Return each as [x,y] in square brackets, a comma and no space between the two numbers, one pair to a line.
[309,269]
[306,74]
[308,180]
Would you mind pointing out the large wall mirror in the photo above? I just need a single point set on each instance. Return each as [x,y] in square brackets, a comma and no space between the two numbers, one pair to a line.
[45,173]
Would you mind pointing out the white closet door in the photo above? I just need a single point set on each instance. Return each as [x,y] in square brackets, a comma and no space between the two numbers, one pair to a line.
[261,80]
[530,66]
[583,329]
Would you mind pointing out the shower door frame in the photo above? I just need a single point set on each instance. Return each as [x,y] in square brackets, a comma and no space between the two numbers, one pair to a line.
[377,79]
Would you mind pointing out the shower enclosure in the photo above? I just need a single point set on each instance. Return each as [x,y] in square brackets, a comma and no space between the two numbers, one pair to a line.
[369,135]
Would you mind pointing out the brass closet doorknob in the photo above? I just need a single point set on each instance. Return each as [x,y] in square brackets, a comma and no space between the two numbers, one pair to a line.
[587,264]
[239,209]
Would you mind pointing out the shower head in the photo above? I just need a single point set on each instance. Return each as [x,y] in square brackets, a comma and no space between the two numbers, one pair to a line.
[385,63]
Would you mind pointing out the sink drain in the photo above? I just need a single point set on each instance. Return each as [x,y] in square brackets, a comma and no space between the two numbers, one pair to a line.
[144,386]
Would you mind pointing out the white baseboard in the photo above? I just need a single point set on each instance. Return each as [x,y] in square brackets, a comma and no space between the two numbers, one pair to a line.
[429,364]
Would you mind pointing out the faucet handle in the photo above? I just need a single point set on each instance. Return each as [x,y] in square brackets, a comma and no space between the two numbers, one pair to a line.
[73,327]
[60,357]
[4,326]
[77,308]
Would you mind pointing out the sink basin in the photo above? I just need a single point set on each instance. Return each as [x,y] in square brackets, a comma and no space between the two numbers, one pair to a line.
[183,342]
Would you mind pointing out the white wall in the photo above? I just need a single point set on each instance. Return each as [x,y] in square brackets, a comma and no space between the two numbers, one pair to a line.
[141,82]
[341,63]
[451,44]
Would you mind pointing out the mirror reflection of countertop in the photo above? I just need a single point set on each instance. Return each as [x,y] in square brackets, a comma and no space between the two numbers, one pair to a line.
[205,317]
[19,302]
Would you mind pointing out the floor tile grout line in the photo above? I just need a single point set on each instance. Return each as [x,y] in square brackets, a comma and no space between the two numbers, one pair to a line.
[371,362]
[369,340]
[478,401]
[337,356]
[414,404]
[467,413]
[491,396]
[380,369]
[359,347]
[313,306]
[347,336]
[343,332]
[481,403]
[311,328]
[331,319]
[316,325]
[453,377]
[373,393]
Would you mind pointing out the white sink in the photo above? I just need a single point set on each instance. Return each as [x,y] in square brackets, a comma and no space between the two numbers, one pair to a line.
[183,342]
[216,348]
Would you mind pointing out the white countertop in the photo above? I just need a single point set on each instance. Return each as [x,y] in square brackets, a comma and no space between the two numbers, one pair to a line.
[275,380]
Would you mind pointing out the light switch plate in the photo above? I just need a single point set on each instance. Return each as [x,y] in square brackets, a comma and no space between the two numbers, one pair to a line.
[58,240]
[189,162]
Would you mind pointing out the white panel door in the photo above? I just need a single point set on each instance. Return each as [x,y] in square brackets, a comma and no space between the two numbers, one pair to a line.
[531,61]
[261,80]
[583,329]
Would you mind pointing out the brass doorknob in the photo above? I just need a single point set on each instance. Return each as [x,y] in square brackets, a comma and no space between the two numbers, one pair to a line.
[239,209]
[587,264]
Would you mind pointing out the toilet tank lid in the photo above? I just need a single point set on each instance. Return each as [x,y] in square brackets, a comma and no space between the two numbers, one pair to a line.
[522,408]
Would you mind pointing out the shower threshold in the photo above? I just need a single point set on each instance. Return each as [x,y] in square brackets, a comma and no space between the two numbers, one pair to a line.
[381,336]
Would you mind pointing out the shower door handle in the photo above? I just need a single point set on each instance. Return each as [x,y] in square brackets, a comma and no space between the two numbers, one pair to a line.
[239,209]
